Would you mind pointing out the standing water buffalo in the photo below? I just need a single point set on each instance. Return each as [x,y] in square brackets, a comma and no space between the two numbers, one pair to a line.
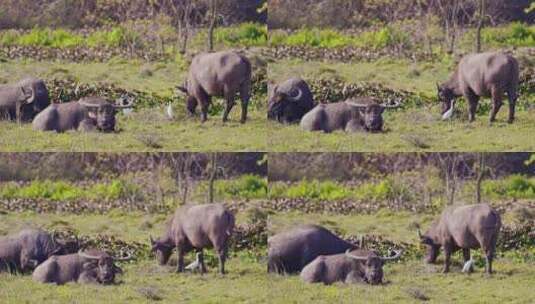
[349,267]
[289,101]
[86,114]
[352,115]
[220,74]
[482,75]
[22,101]
[27,249]
[290,251]
[92,266]
[466,227]
[194,227]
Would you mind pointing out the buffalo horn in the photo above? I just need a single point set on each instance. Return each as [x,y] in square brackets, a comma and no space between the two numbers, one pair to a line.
[356,257]
[394,257]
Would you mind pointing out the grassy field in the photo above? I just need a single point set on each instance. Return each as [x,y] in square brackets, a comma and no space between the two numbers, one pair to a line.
[143,280]
[145,130]
[409,281]
[411,129]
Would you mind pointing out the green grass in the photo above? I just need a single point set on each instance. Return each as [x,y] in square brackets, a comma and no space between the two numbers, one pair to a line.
[407,278]
[413,129]
[512,35]
[147,130]
[245,282]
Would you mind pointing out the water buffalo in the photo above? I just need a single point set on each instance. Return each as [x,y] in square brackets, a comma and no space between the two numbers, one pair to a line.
[220,74]
[194,227]
[482,75]
[27,249]
[289,101]
[290,251]
[349,267]
[91,266]
[352,115]
[86,114]
[23,100]
[466,227]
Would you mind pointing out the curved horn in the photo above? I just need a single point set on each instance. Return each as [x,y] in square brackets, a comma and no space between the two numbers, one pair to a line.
[88,105]
[355,104]
[397,104]
[394,257]
[29,94]
[361,241]
[124,106]
[356,257]
[295,98]
[126,258]
[88,256]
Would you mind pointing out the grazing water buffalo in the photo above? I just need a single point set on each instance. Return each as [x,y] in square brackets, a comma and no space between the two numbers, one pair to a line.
[22,101]
[92,266]
[289,100]
[220,74]
[86,114]
[482,75]
[466,227]
[27,249]
[194,227]
[352,115]
[290,251]
[349,267]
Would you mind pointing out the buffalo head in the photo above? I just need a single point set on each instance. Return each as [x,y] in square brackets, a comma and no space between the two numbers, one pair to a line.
[372,112]
[373,265]
[102,265]
[162,250]
[279,100]
[433,248]
[103,113]
[446,97]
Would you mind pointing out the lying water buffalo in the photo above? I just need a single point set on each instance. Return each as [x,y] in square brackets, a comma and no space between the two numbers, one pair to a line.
[352,115]
[482,75]
[220,74]
[23,100]
[290,251]
[289,101]
[91,266]
[466,227]
[349,267]
[27,249]
[86,114]
[194,227]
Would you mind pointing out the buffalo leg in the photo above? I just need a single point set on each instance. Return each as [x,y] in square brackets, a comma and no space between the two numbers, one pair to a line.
[496,103]
[511,94]
[473,100]
[222,254]
[466,255]
[447,256]
[201,261]
[180,261]
[228,107]
[245,95]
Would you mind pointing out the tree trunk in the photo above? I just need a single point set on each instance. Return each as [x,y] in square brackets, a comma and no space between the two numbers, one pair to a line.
[480,25]
[480,176]
[213,11]
[213,174]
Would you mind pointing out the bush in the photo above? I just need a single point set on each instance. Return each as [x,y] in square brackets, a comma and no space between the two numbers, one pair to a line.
[246,34]
[515,34]
[64,191]
[113,38]
[514,186]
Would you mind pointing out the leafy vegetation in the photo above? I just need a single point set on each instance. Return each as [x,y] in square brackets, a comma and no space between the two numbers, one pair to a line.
[514,186]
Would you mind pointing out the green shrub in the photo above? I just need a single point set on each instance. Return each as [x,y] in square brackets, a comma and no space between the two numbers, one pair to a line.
[514,186]
[246,186]
[515,34]
[246,34]
[113,38]
[58,38]
[63,191]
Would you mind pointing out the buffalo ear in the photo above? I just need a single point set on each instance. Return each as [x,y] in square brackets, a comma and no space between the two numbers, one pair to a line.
[182,89]
[426,240]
